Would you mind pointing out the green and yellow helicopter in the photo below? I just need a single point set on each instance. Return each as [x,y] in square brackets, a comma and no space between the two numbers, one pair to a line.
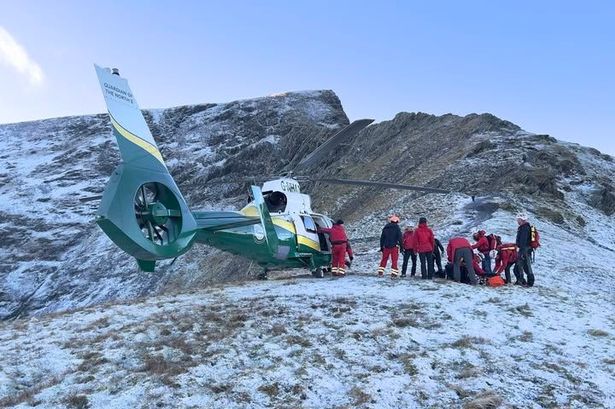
[144,213]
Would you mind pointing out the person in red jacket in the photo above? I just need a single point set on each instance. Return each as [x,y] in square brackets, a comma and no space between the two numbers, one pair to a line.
[339,247]
[408,239]
[484,248]
[424,243]
[506,258]
[459,250]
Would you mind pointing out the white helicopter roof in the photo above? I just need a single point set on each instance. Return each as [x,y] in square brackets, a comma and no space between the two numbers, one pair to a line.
[297,202]
[286,185]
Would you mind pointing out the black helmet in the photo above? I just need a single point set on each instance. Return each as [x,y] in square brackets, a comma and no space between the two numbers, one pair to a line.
[339,221]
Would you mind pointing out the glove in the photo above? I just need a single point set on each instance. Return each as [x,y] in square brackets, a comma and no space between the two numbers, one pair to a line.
[493,253]
[475,251]
[381,249]
[351,258]
[348,263]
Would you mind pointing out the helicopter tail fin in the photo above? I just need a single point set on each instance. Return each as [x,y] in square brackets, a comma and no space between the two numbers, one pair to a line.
[142,210]
[270,235]
[136,143]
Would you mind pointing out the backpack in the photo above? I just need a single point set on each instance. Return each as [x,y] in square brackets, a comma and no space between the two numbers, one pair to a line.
[494,241]
[495,281]
[534,238]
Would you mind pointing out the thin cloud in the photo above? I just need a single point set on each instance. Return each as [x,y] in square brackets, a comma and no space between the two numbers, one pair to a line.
[15,55]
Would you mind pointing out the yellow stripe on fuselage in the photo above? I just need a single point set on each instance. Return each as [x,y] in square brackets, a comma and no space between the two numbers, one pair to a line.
[286,225]
[250,211]
[290,226]
[148,147]
[306,241]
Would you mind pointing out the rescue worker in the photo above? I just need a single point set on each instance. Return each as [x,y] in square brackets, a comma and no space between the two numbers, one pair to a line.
[408,240]
[459,249]
[483,247]
[390,243]
[505,260]
[339,247]
[437,254]
[424,246]
[524,262]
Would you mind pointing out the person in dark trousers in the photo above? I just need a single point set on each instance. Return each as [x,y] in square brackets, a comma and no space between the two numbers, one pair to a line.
[408,239]
[524,257]
[437,255]
[460,250]
[390,243]
[424,246]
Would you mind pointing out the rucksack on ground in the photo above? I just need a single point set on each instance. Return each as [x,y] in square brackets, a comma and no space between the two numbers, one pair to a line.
[495,281]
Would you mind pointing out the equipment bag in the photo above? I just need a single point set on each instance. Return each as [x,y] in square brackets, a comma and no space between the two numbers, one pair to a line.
[534,237]
[495,281]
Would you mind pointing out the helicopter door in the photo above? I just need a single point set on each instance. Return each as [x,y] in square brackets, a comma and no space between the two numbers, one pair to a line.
[321,222]
[307,234]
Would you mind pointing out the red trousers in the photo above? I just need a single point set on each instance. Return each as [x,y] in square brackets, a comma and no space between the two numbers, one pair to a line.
[393,253]
[338,254]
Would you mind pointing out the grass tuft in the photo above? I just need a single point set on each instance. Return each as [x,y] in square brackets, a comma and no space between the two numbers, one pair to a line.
[77,402]
[469,342]
[485,400]
[598,333]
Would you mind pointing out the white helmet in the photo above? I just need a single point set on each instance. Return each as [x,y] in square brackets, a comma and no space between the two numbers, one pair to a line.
[522,216]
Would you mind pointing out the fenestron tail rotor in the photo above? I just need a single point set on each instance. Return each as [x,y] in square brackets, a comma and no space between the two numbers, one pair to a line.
[157,213]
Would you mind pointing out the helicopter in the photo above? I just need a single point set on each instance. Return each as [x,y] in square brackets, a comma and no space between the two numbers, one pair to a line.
[144,213]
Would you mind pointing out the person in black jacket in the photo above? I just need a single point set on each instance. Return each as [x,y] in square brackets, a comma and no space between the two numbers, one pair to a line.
[524,257]
[390,243]
[437,255]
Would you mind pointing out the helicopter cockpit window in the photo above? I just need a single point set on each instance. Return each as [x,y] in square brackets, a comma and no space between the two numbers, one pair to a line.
[276,202]
[309,224]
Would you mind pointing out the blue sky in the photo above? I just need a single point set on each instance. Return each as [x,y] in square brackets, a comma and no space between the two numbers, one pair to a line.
[547,66]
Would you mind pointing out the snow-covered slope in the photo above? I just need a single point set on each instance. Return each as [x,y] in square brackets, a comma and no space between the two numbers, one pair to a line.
[360,341]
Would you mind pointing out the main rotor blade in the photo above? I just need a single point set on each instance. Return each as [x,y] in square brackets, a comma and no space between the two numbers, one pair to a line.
[380,184]
[243,179]
[330,144]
